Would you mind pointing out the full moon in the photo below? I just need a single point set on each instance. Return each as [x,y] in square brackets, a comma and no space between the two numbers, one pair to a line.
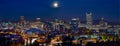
[55,4]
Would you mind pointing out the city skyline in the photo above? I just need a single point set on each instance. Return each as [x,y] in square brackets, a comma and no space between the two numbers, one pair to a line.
[59,23]
[12,10]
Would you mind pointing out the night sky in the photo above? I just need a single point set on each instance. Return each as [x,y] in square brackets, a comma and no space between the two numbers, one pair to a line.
[13,9]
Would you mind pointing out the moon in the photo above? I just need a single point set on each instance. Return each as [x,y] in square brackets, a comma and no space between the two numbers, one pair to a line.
[55,5]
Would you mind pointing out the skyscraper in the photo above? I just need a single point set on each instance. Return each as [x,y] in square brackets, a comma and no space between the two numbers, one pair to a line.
[22,19]
[102,23]
[89,19]
[74,23]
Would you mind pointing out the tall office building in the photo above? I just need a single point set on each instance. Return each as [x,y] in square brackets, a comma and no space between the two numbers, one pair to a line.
[22,20]
[75,23]
[89,19]
[102,23]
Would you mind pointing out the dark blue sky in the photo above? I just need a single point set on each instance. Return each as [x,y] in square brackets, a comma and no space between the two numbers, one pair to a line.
[12,9]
